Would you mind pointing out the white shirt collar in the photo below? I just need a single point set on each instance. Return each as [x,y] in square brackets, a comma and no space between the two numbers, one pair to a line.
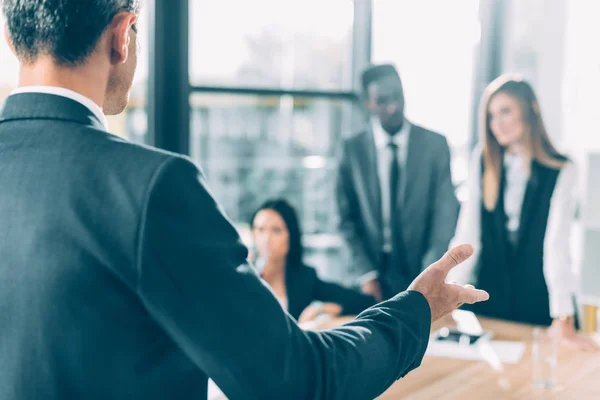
[515,164]
[382,138]
[512,159]
[70,94]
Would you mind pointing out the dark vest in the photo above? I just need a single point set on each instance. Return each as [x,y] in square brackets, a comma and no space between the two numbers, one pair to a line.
[513,273]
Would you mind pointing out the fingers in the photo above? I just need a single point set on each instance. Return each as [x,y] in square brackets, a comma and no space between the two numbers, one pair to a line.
[332,309]
[453,257]
[374,289]
[580,343]
[586,344]
[469,295]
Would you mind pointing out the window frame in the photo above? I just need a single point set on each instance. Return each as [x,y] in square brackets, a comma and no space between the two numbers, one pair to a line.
[170,90]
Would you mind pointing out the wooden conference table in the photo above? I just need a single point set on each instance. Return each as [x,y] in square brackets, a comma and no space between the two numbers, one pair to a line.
[578,373]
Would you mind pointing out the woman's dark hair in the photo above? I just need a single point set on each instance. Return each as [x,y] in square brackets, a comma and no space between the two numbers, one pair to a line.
[290,217]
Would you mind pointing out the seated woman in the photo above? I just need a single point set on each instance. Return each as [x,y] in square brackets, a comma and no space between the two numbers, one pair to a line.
[518,215]
[277,238]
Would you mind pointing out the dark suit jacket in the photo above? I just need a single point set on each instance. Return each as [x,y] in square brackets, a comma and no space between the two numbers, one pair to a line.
[121,278]
[429,208]
[304,286]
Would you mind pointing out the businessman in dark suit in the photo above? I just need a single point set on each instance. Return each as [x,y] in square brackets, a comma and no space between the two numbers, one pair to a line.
[120,276]
[396,200]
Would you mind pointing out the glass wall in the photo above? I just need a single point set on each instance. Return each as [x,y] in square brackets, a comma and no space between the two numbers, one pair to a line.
[534,44]
[271,43]
[255,147]
[253,144]
[581,82]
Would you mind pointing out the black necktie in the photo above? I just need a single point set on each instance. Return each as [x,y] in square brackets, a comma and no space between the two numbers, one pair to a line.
[398,263]
[394,181]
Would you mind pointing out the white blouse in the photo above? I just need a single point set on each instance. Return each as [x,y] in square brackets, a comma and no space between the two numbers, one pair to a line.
[514,191]
[558,272]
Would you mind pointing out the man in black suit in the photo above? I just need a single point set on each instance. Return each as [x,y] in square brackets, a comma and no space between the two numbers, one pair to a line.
[122,279]
[396,200]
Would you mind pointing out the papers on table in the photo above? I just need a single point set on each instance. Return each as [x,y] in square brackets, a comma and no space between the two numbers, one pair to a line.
[508,352]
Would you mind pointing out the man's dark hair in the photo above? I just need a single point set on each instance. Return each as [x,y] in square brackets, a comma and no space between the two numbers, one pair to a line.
[67,30]
[375,73]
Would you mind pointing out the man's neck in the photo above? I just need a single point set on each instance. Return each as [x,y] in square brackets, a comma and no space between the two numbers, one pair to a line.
[85,80]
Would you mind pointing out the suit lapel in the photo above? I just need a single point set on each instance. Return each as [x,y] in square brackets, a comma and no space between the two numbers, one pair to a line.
[410,175]
[529,202]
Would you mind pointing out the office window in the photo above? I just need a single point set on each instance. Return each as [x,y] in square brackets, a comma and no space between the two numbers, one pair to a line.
[271,43]
[272,85]
[433,44]
[255,147]
[524,36]
[534,46]
[581,80]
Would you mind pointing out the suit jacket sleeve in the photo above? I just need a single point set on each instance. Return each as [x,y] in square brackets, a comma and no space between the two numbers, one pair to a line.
[351,301]
[445,208]
[349,214]
[194,279]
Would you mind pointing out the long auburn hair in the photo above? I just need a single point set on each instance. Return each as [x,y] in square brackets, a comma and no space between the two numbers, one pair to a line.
[537,143]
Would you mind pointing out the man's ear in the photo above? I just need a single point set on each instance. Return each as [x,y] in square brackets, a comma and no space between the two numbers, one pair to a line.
[120,26]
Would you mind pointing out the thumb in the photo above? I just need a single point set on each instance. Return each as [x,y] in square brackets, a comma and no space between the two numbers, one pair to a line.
[453,257]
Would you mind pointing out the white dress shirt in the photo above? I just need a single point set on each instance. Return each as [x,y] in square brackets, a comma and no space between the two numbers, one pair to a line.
[59,91]
[384,159]
[516,176]
[558,272]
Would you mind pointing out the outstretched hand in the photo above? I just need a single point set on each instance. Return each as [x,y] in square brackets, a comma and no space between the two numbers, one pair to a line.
[445,297]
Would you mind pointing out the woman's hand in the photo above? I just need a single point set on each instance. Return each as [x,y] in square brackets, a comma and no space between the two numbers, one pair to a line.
[315,309]
[373,288]
[564,330]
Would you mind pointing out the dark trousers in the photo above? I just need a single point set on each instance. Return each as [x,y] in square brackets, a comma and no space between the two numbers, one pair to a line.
[392,276]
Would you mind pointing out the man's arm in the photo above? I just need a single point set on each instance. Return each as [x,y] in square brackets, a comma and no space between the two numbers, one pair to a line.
[349,214]
[194,279]
[445,208]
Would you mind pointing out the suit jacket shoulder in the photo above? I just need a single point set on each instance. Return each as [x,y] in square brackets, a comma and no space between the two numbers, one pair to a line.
[358,139]
[431,137]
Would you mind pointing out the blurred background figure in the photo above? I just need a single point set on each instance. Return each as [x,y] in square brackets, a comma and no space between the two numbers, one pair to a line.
[519,213]
[395,194]
[277,238]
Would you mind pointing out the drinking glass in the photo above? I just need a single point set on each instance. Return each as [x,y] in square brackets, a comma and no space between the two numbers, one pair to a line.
[544,358]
